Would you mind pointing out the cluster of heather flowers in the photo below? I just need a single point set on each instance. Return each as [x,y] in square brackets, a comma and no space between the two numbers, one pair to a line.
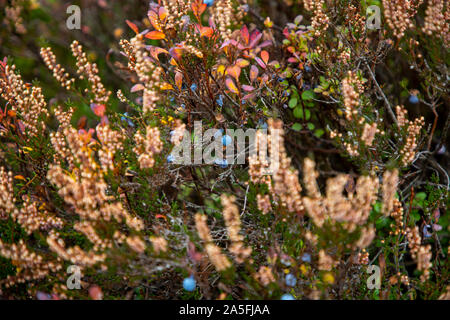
[349,169]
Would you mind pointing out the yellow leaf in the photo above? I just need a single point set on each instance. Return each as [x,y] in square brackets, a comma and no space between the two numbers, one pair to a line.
[231,85]
[166,86]
[221,69]
[328,278]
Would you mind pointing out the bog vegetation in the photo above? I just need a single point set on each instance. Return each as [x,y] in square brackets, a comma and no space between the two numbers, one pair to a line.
[89,117]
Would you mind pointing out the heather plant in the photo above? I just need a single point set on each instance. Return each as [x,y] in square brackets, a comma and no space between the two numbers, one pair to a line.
[356,118]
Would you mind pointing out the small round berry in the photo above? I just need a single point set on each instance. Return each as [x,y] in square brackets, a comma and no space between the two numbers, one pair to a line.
[226,140]
[291,281]
[287,296]
[189,283]
[170,158]
[221,163]
[413,99]
[306,257]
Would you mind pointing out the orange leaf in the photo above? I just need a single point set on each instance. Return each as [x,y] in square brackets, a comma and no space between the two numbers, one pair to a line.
[198,7]
[98,109]
[20,178]
[153,17]
[166,86]
[206,32]
[265,56]
[178,80]
[132,26]
[231,85]
[155,35]
[173,62]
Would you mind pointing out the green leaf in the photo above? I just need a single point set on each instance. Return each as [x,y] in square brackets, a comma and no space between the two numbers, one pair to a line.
[319,132]
[308,95]
[293,102]
[310,126]
[296,126]
[298,113]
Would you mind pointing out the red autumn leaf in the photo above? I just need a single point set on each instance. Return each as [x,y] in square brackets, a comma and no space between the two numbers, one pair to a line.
[244,34]
[98,109]
[253,73]
[265,56]
[161,216]
[82,122]
[155,51]
[206,32]
[248,88]
[95,292]
[260,62]
[254,38]
[231,85]
[234,71]
[132,26]
[249,96]
[178,80]
[155,35]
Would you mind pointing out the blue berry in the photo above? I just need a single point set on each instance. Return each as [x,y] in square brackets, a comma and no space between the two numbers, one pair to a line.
[306,258]
[170,158]
[413,99]
[193,87]
[220,101]
[287,296]
[262,124]
[189,283]
[308,69]
[226,140]
[221,163]
[426,231]
[124,118]
[209,3]
[291,281]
